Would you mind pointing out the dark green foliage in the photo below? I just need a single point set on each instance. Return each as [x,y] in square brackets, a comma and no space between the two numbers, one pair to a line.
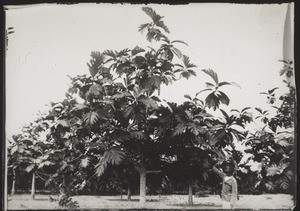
[273,146]
[113,125]
[216,97]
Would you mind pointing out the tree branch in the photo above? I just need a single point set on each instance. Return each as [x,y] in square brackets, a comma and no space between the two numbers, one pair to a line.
[153,172]
[75,158]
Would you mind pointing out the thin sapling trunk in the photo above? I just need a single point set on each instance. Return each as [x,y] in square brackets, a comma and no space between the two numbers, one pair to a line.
[190,200]
[129,192]
[143,181]
[32,196]
[13,188]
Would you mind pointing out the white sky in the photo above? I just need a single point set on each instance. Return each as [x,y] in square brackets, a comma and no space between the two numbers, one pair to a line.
[242,43]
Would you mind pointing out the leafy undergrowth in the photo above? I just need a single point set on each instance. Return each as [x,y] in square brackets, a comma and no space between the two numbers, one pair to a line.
[266,201]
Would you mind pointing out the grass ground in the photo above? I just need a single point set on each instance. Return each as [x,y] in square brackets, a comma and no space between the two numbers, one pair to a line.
[266,201]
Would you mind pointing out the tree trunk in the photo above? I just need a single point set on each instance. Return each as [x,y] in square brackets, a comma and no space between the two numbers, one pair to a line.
[190,200]
[143,182]
[64,185]
[33,186]
[13,188]
[129,192]
[64,181]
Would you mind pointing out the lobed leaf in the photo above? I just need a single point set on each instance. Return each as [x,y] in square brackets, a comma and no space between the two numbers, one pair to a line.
[142,27]
[45,163]
[120,95]
[259,110]
[162,25]
[30,168]
[100,168]
[148,102]
[244,109]
[284,183]
[185,74]
[139,135]
[212,74]
[179,41]
[212,101]
[270,185]
[136,50]
[235,84]
[85,162]
[110,53]
[188,96]
[177,52]
[273,170]
[223,98]
[187,63]
[64,123]
[95,90]
[223,83]
[195,129]
[90,118]
[179,129]
[272,90]
[152,14]
[113,156]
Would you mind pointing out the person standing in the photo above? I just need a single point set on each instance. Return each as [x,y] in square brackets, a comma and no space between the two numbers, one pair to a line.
[229,193]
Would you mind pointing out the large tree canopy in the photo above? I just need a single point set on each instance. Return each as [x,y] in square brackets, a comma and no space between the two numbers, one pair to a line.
[113,123]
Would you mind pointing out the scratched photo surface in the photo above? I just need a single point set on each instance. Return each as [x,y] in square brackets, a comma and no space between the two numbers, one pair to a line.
[122,106]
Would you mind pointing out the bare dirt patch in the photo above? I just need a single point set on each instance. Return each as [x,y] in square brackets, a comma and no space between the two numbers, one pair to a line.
[43,202]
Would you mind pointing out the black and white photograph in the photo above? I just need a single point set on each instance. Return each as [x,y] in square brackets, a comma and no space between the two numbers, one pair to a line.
[150,106]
